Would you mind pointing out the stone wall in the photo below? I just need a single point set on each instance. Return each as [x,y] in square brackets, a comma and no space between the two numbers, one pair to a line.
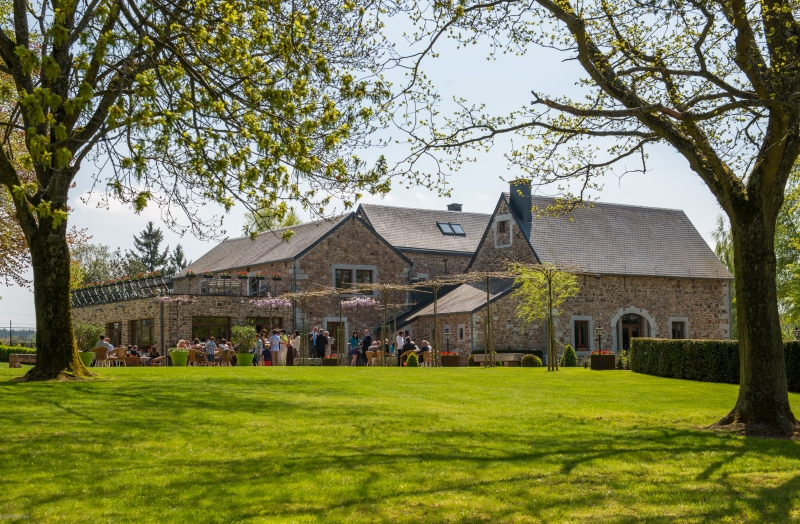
[422,328]
[427,265]
[495,252]
[702,303]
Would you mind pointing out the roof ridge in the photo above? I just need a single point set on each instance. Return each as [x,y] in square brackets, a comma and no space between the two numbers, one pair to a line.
[616,204]
[405,208]
[273,231]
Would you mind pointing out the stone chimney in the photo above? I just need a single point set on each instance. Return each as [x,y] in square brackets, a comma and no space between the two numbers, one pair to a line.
[521,199]
[454,207]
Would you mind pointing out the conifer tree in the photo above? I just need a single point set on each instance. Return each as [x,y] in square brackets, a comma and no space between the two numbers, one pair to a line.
[177,260]
[147,249]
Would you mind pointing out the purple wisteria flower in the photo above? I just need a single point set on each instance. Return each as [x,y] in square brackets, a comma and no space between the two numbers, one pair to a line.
[357,302]
[272,303]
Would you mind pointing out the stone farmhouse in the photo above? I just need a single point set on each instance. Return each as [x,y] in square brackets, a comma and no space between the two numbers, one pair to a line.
[642,272]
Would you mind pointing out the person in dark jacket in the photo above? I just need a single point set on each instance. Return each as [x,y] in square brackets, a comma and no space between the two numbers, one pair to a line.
[321,344]
[366,343]
[408,346]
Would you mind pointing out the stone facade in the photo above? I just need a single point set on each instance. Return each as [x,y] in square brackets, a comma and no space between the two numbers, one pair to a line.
[498,248]
[428,265]
[351,246]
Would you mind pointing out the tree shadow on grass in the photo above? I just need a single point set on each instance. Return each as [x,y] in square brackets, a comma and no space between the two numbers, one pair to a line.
[338,457]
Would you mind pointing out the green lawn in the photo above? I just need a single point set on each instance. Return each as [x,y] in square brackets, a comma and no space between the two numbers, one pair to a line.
[383,445]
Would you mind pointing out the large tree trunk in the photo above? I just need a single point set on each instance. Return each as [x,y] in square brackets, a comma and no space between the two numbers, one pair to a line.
[763,398]
[56,352]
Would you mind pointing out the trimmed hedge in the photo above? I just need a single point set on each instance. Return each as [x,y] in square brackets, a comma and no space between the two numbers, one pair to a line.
[7,350]
[702,360]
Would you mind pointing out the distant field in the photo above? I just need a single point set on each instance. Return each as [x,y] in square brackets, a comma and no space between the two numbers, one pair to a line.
[383,445]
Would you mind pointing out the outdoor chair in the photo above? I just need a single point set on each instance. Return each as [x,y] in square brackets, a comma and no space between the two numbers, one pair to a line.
[131,361]
[227,355]
[118,357]
[196,357]
[159,361]
[101,357]
[370,355]
[378,358]
[427,359]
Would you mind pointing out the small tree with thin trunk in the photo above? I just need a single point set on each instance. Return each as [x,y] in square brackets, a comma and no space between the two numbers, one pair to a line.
[540,289]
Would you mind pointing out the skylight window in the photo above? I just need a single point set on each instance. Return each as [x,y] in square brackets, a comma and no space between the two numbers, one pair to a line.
[448,228]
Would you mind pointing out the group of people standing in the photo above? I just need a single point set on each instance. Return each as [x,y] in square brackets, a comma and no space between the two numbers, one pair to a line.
[321,345]
[278,348]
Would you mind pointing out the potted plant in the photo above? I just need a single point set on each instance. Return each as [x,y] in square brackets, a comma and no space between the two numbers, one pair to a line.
[190,274]
[450,359]
[260,275]
[179,356]
[242,275]
[276,276]
[208,275]
[245,339]
[224,275]
[86,338]
[602,360]
[332,360]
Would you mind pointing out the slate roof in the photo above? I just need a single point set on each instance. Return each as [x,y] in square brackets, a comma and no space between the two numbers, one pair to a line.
[616,239]
[238,253]
[416,229]
[466,298]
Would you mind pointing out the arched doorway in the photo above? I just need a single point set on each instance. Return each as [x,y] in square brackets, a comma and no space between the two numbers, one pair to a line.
[631,326]
[628,323]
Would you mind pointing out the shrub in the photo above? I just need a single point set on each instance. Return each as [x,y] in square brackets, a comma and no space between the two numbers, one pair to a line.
[471,361]
[701,360]
[244,337]
[623,360]
[531,361]
[5,351]
[569,359]
[412,361]
[87,335]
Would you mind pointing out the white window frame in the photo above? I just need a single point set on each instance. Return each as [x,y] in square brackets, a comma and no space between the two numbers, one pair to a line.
[461,332]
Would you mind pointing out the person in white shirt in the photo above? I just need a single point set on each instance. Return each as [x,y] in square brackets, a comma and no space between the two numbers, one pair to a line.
[399,341]
[274,347]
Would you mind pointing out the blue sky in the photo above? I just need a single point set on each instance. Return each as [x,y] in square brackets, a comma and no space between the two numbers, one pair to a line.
[503,85]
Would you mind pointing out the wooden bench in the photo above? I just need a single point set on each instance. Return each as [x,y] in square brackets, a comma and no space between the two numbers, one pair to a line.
[15,359]
[508,359]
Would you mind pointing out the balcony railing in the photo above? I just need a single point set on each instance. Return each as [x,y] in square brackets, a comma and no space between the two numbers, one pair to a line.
[154,287]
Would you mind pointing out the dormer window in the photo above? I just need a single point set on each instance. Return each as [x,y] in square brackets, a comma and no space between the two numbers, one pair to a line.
[449,228]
